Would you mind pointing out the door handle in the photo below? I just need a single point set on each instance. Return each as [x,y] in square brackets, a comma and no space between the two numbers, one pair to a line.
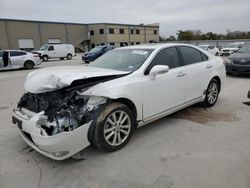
[180,74]
[209,66]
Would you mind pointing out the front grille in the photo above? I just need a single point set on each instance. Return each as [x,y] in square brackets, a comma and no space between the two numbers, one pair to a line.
[240,62]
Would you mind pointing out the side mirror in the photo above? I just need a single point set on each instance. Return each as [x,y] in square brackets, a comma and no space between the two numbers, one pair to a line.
[158,70]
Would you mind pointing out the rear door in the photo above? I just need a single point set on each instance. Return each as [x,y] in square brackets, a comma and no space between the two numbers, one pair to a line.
[17,58]
[197,69]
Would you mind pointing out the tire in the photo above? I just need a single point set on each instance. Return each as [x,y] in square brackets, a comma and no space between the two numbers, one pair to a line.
[61,58]
[45,58]
[113,127]
[69,57]
[28,64]
[212,94]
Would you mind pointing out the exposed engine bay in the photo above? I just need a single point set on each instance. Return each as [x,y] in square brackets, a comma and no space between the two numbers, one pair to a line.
[64,110]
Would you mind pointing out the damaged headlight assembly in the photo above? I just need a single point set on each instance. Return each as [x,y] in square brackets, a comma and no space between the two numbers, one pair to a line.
[62,112]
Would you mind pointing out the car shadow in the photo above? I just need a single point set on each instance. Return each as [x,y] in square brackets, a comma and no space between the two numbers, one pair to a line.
[238,75]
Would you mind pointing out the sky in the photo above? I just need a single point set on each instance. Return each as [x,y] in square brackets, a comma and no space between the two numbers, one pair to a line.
[172,15]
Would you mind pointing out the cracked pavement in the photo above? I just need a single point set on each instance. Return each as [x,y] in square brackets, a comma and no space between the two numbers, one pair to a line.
[192,148]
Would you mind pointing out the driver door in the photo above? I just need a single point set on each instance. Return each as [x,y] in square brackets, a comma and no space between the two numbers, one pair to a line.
[51,52]
[166,91]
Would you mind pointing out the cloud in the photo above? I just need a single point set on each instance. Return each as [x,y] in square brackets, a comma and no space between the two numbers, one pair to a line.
[213,15]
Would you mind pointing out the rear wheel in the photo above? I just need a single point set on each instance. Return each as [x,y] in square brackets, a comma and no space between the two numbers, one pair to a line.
[29,64]
[114,127]
[212,93]
[69,56]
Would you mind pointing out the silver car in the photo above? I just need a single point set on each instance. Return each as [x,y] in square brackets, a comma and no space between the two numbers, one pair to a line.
[16,59]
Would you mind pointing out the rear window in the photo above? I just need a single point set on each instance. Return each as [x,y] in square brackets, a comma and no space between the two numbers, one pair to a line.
[17,53]
[191,55]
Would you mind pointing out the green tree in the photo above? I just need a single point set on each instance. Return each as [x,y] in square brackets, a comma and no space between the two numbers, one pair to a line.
[185,35]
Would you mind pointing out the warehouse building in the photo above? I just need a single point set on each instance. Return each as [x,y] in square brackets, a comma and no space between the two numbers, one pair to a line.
[29,35]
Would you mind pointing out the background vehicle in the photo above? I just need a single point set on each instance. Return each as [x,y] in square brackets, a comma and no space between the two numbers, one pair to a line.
[231,48]
[95,53]
[239,62]
[49,51]
[211,49]
[16,59]
[67,108]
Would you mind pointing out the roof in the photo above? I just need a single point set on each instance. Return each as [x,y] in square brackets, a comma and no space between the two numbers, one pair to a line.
[77,23]
[155,45]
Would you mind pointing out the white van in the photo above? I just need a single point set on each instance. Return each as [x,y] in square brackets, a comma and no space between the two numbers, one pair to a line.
[49,51]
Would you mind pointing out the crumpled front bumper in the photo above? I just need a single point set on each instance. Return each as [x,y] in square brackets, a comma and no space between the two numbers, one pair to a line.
[60,146]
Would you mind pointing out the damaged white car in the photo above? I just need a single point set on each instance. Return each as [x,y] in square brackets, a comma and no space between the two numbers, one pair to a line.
[65,109]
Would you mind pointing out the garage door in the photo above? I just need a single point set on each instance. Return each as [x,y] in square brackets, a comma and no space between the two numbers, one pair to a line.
[26,43]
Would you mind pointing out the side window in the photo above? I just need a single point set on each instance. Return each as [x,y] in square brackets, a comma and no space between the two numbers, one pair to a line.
[210,47]
[1,53]
[51,48]
[204,57]
[168,56]
[16,53]
[190,55]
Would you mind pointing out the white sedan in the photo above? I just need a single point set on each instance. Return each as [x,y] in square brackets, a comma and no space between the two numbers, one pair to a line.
[65,109]
[211,49]
[16,59]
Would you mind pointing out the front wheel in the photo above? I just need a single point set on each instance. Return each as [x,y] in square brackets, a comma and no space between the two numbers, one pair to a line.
[212,93]
[114,127]
[45,58]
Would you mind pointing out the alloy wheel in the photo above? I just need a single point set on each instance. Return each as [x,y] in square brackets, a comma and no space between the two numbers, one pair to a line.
[213,93]
[117,128]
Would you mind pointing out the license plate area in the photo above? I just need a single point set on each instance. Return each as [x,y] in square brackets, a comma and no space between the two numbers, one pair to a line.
[17,122]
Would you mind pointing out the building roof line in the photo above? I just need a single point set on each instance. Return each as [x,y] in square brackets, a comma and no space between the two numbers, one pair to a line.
[77,23]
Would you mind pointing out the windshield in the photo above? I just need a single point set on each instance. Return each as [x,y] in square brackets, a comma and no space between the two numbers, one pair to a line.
[96,49]
[245,49]
[203,47]
[44,47]
[122,59]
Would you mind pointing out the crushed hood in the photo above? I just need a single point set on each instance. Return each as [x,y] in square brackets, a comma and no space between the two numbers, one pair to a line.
[54,78]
